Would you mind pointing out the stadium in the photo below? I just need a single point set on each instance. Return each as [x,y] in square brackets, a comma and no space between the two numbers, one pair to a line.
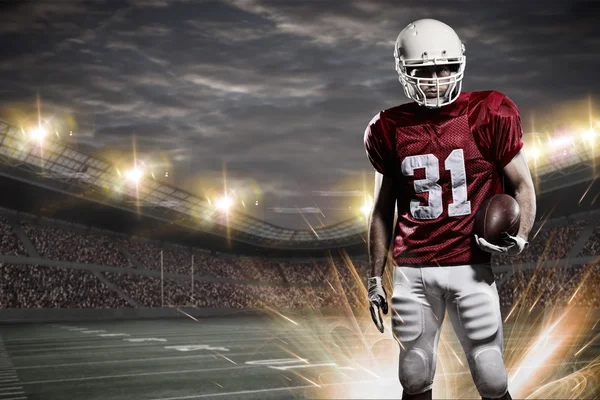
[110,292]
[187,187]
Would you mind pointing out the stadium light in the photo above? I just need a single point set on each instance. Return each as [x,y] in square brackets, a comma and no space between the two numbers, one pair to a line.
[367,207]
[535,152]
[38,133]
[134,175]
[589,136]
[560,142]
[224,203]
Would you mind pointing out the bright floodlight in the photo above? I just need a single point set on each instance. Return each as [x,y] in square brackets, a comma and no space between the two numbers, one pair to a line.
[133,175]
[589,136]
[560,142]
[366,208]
[38,133]
[224,203]
[535,152]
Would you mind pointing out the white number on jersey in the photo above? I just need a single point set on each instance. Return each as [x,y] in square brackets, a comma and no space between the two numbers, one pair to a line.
[429,184]
[455,163]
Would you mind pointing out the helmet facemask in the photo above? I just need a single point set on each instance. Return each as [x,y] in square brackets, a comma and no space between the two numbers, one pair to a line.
[412,84]
[427,44]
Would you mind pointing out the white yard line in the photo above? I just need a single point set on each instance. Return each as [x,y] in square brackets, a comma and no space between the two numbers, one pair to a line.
[51,352]
[242,392]
[91,378]
[122,361]
[140,345]
[84,338]
[142,331]
[10,388]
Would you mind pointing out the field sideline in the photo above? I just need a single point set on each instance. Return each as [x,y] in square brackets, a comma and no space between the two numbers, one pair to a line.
[228,358]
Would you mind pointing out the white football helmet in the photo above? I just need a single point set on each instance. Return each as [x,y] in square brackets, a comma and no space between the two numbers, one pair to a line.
[426,43]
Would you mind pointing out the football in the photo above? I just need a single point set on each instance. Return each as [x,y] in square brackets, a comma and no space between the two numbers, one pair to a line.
[497,215]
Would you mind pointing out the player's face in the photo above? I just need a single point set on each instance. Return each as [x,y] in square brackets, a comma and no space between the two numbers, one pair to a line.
[436,71]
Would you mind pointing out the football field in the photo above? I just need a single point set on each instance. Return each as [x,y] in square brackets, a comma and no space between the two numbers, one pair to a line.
[236,357]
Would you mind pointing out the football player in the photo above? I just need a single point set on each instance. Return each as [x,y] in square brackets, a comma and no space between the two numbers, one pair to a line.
[437,159]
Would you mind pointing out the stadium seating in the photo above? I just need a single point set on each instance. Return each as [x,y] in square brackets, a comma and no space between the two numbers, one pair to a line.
[32,286]
[11,245]
[240,282]
[549,243]
[64,245]
[592,247]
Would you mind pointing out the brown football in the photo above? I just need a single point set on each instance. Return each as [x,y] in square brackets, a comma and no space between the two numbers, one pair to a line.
[497,215]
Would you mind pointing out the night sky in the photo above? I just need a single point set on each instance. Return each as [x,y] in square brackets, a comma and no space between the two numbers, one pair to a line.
[274,95]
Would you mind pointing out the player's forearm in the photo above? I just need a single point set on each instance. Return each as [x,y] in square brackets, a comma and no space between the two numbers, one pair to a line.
[381,225]
[525,196]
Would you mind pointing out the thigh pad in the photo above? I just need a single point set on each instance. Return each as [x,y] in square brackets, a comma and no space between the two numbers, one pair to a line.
[407,314]
[478,314]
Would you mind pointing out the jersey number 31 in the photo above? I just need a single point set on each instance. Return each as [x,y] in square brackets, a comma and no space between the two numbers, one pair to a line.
[455,163]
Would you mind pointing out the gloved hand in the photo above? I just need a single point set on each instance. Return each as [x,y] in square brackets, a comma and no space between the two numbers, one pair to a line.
[514,245]
[377,301]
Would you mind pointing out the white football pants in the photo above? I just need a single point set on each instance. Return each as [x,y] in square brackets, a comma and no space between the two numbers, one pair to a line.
[420,297]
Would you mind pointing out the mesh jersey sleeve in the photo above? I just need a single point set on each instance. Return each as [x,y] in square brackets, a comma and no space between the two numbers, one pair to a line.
[379,145]
[508,132]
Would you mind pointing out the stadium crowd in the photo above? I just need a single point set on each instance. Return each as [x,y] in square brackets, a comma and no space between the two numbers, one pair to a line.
[11,245]
[546,244]
[228,281]
[33,286]
[65,245]
[577,286]
[592,246]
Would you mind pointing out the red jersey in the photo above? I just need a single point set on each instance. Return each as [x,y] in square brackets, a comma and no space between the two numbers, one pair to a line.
[445,163]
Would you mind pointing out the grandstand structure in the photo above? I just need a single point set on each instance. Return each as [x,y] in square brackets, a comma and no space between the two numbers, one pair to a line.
[73,237]
[59,170]
[37,176]
[108,280]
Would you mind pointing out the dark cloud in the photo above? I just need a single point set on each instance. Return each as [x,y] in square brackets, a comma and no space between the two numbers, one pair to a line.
[276,92]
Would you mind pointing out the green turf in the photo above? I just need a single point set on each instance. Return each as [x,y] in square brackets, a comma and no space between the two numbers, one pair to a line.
[53,362]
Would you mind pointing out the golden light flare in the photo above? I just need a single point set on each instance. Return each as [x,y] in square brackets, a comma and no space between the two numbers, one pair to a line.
[589,136]
[534,151]
[587,190]
[543,345]
[581,384]
[134,175]
[281,315]
[228,359]
[224,203]
[536,357]
[38,133]
[456,356]
[186,314]
[367,207]
[587,344]
[306,379]
[343,344]
[217,384]
[571,131]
